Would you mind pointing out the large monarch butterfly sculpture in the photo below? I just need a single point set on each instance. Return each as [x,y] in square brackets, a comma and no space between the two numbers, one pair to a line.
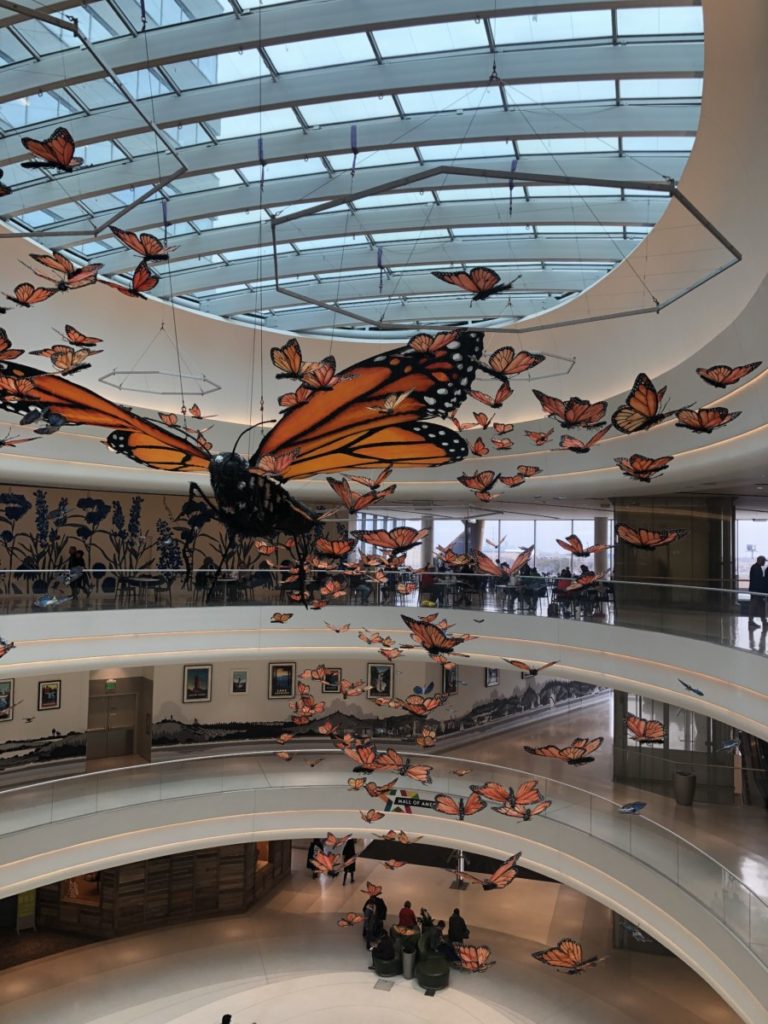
[331,431]
[722,376]
[647,540]
[474,958]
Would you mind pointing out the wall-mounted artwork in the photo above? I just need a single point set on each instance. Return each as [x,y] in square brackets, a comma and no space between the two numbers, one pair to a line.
[380,678]
[239,681]
[6,700]
[491,677]
[49,695]
[450,680]
[197,684]
[282,681]
[332,680]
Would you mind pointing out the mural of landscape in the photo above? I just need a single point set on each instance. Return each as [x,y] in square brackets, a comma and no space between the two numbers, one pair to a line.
[169,732]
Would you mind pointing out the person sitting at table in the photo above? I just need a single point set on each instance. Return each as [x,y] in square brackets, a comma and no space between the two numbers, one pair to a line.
[427,581]
[383,950]
[564,596]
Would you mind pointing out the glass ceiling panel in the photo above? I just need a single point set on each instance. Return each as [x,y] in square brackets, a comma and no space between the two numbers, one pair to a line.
[261,122]
[596,144]
[373,158]
[450,99]
[542,28]
[320,53]
[363,109]
[458,35]
[237,66]
[569,107]
[660,88]
[286,169]
[660,21]
[560,92]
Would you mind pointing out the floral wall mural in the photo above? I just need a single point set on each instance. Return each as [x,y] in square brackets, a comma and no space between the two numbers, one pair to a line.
[113,531]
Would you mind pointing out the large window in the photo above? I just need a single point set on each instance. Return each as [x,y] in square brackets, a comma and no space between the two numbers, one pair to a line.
[751,541]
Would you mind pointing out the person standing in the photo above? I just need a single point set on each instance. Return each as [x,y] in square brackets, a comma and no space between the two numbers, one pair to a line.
[757,592]
[315,847]
[457,927]
[349,860]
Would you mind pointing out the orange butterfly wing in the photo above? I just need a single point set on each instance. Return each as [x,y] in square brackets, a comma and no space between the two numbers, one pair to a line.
[147,246]
[493,791]
[504,360]
[78,338]
[334,428]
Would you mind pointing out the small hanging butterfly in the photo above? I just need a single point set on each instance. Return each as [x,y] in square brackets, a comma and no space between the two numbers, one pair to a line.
[722,376]
[493,401]
[75,337]
[538,437]
[704,421]
[56,153]
[578,447]
[146,245]
[504,360]
[482,282]
[142,280]
[369,816]
[642,467]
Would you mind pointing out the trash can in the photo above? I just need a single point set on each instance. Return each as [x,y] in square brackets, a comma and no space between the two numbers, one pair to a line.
[409,960]
[684,788]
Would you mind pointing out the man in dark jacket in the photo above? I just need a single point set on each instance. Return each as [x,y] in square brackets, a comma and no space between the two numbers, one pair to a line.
[457,927]
[757,592]
[383,950]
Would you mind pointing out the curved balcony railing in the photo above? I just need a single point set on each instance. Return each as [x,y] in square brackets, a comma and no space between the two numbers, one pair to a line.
[717,615]
[742,910]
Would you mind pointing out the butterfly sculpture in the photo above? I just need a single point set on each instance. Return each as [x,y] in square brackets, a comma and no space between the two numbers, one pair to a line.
[722,376]
[645,730]
[146,245]
[647,540]
[691,689]
[573,544]
[567,957]
[332,431]
[704,421]
[577,753]
[642,467]
[56,153]
[474,958]
[481,282]
[503,876]
[642,409]
[461,808]
[576,412]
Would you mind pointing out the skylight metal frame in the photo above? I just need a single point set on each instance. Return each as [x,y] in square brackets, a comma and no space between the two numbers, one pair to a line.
[511,178]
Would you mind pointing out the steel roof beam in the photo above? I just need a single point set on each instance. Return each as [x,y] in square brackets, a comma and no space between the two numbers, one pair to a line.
[492,250]
[498,125]
[423,217]
[439,309]
[404,74]
[260,27]
[414,283]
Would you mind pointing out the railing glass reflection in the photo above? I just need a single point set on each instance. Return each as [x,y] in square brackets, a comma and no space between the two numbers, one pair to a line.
[708,881]
[716,615]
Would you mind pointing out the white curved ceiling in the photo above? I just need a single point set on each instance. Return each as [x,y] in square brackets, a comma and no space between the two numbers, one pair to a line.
[718,322]
[225,116]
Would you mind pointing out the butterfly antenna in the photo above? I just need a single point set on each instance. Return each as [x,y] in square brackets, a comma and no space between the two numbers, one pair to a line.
[247,430]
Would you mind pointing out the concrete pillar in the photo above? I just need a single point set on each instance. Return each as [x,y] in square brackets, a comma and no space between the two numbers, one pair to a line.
[427,549]
[475,533]
[601,537]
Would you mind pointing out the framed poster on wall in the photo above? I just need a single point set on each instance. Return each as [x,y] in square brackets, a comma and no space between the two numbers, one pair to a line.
[282,681]
[6,700]
[491,677]
[380,679]
[332,680]
[197,684]
[49,695]
[239,681]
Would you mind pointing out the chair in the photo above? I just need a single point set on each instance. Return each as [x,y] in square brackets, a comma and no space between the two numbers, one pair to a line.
[432,973]
[387,968]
